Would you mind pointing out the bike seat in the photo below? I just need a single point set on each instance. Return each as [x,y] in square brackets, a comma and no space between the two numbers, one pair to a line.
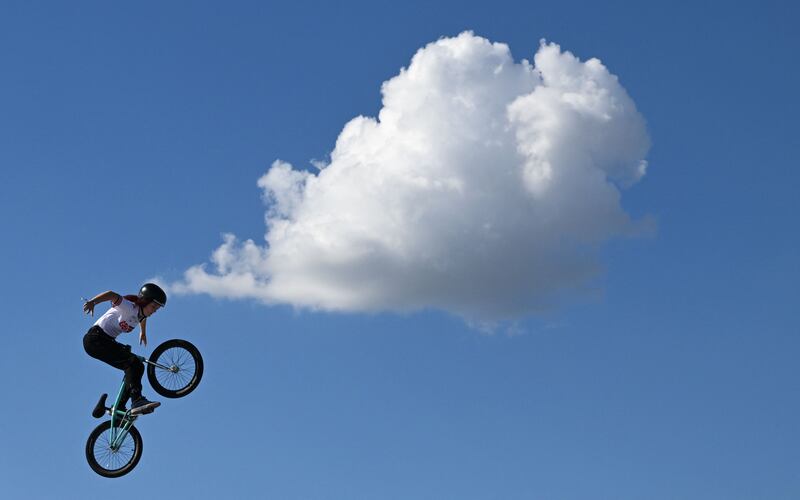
[100,409]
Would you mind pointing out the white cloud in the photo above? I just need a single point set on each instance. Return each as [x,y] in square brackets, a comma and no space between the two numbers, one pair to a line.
[484,188]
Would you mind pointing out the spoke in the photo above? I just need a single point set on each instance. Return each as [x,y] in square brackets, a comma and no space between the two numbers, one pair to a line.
[183,360]
[102,454]
[113,460]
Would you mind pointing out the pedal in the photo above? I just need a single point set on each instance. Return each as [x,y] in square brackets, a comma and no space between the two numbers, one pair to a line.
[100,409]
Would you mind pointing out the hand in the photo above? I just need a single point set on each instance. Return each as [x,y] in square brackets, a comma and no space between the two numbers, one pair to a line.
[88,307]
[143,339]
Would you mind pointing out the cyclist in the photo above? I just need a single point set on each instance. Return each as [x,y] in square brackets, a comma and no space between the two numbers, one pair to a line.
[100,341]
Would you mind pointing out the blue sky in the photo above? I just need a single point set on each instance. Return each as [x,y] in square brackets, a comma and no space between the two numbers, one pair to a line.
[132,137]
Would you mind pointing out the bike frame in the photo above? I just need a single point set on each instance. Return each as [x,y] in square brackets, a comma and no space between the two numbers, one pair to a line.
[118,435]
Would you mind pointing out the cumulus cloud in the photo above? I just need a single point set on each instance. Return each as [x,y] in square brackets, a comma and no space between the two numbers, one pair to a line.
[484,187]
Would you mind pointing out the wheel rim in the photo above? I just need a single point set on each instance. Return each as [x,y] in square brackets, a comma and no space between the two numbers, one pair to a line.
[113,460]
[182,369]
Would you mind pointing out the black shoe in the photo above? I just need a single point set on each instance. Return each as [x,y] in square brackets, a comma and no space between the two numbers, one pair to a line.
[142,406]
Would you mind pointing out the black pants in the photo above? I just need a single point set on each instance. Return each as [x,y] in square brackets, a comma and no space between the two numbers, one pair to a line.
[100,346]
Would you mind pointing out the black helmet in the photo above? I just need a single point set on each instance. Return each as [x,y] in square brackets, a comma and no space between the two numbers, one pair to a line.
[153,292]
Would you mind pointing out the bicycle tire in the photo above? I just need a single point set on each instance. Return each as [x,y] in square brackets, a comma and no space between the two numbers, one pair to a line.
[186,358]
[126,457]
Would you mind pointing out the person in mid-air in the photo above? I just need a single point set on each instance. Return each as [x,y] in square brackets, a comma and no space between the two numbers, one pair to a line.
[100,341]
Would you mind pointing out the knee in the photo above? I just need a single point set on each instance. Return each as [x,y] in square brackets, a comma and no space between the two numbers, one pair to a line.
[89,345]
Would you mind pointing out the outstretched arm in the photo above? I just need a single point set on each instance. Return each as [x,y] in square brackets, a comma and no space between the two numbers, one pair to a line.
[114,297]
[143,333]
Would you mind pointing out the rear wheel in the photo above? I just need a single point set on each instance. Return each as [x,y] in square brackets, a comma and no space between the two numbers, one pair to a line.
[111,461]
[175,368]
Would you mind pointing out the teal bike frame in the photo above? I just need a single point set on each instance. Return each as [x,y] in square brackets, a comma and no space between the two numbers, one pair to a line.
[118,435]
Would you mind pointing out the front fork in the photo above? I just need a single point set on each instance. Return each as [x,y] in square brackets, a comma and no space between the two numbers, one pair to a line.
[173,368]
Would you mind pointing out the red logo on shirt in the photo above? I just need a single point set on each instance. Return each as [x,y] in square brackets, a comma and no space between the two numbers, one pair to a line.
[125,327]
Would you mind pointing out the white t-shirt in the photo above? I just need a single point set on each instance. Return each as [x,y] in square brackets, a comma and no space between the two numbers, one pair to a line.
[121,318]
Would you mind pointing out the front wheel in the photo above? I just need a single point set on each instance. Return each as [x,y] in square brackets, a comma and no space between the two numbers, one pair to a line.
[110,457]
[175,368]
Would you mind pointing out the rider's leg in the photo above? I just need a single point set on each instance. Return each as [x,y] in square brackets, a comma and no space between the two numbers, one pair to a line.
[100,346]
[133,377]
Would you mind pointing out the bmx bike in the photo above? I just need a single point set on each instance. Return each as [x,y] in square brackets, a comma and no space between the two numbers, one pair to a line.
[115,446]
